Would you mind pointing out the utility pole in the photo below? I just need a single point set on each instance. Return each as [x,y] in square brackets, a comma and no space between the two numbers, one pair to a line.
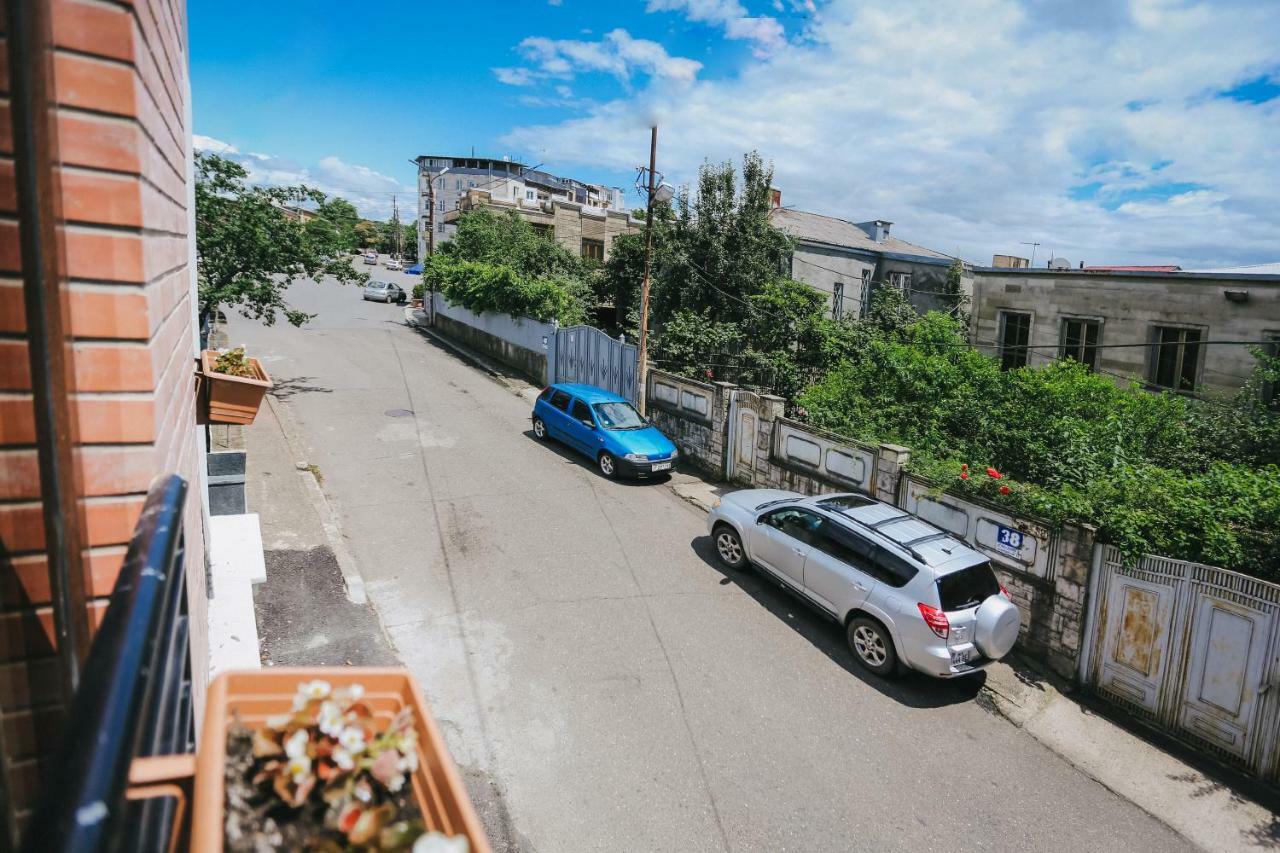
[399,232]
[643,378]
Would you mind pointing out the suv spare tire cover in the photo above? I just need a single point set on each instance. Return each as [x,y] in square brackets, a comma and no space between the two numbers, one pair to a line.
[998,623]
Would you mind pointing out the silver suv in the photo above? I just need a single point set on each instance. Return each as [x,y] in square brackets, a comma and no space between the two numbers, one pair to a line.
[907,593]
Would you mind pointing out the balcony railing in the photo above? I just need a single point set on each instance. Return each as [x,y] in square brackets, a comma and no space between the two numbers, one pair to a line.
[108,790]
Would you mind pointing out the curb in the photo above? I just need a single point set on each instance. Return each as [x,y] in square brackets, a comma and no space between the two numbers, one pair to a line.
[351,576]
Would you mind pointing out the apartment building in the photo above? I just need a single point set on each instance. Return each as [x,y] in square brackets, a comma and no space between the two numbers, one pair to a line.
[1191,332]
[582,217]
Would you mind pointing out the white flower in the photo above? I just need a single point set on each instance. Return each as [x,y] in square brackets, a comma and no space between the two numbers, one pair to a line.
[331,719]
[296,745]
[408,762]
[299,768]
[315,689]
[343,758]
[396,783]
[356,692]
[352,738]
[435,842]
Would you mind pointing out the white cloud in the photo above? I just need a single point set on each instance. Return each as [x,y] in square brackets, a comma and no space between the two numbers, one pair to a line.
[617,53]
[973,126]
[766,34]
[369,190]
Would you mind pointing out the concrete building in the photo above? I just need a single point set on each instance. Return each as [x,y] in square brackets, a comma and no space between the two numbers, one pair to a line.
[1161,328]
[582,217]
[847,261]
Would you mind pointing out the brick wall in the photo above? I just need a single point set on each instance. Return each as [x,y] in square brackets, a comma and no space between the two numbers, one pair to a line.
[124,148]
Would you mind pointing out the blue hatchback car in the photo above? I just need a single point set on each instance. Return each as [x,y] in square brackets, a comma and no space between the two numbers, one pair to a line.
[606,428]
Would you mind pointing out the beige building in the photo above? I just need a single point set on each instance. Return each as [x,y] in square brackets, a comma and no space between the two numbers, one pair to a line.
[1184,331]
[584,229]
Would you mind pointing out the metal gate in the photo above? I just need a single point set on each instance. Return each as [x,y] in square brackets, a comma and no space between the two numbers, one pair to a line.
[1194,650]
[586,354]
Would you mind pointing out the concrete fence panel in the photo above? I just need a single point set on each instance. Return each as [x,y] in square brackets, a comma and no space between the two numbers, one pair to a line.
[691,414]
[840,462]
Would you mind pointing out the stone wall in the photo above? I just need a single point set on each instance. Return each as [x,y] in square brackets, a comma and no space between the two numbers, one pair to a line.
[744,438]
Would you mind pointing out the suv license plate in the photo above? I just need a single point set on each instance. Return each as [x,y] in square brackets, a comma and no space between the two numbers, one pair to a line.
[959,656]
[661,466]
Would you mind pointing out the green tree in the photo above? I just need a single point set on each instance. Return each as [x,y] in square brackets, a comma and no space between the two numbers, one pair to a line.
[366,233]
[507,239]
[342,215]
[249,252]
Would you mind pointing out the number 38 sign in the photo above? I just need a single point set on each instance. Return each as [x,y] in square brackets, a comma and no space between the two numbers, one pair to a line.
[1008,538]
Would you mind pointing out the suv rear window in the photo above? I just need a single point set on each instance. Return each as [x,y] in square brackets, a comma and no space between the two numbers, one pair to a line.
[968,587]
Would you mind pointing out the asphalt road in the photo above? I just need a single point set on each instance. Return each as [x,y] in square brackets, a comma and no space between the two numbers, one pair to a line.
[603,683]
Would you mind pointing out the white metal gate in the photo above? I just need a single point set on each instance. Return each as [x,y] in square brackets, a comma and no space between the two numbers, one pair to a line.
[1193,649]
[586,354]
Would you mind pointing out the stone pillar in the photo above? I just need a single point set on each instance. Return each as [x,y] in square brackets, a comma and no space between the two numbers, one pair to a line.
[771,408]
[890,462]
[720,449]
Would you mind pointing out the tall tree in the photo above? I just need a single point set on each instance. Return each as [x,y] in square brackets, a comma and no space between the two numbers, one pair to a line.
[249,252]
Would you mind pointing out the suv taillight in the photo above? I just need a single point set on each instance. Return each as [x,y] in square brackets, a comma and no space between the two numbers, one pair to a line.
[935,619]
[1005,592]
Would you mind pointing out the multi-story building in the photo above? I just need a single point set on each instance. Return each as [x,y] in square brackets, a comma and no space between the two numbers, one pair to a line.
[848,261]
[1190,332]
[582,217]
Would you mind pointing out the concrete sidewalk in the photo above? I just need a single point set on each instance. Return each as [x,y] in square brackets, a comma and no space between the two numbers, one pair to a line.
[1207,804]
[311,609]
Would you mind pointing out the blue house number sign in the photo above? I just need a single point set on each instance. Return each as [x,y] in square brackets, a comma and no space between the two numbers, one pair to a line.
[1008,539]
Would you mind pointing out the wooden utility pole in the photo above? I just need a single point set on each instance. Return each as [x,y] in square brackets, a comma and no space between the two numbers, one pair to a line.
[642,379]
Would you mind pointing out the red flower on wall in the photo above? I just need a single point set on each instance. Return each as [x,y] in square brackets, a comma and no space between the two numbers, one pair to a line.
[964,475]
[1004,490]
[994,474]
[964,466]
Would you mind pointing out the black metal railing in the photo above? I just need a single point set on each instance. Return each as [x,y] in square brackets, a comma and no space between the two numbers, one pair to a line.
[134,699]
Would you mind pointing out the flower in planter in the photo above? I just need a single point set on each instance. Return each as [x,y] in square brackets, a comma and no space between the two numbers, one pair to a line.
[341,774]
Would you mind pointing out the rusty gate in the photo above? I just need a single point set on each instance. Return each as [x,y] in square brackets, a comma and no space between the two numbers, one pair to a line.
[1193,650]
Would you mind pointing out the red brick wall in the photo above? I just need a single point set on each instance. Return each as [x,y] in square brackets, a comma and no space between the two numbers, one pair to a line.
[124,148]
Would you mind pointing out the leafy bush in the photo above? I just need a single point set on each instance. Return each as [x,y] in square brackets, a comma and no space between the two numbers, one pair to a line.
[481,287]
[1161,473]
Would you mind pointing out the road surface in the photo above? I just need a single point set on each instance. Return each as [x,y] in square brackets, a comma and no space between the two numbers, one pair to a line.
[604,684]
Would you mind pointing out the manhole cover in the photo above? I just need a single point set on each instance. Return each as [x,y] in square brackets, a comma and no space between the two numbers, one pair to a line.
[398,413]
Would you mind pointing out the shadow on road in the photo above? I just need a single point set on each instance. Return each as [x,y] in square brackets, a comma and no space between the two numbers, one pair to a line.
[912,689]
[283,389]
[568,454]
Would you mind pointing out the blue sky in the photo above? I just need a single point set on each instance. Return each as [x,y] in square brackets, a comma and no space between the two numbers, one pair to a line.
[1110,131]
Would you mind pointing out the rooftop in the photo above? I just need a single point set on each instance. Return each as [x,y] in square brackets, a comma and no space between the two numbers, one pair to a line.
[815,227]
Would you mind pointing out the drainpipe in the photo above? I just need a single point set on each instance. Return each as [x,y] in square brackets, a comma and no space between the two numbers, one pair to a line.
[35,157]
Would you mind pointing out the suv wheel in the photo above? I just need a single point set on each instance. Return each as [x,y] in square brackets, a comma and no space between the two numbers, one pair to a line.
[872,646]
[539,429]
[608,466]
[729,547]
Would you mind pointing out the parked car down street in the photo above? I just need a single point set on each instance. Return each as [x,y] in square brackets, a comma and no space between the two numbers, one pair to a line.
[604,427]
[393,264]
[371,258]
[383,291]
[908,594]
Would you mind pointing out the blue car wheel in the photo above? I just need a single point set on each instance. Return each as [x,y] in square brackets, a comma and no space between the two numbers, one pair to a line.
[608,466]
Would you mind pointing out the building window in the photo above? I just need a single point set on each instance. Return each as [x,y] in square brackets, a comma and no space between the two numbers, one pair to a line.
[457,184]
[543,230]
[593,249]
[865,303]
[530,195]
[1080,341]
[439,227]
[1015,335]
[471,184]
[837,300]
[1271,390]
[440,205]
[1175,357]
[900,280]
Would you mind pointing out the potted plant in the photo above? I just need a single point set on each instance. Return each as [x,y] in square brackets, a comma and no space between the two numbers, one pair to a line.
[328,758]
[235,385]
[419,292]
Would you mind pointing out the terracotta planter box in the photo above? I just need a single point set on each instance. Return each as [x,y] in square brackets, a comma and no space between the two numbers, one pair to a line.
[415,303]
[232,399]
[259,694]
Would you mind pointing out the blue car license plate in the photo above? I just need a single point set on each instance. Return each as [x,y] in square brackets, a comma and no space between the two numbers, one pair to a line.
[661,466]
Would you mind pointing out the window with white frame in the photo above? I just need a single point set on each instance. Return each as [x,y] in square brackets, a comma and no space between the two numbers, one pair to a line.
[901,281]
[837,300]
[530,195]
